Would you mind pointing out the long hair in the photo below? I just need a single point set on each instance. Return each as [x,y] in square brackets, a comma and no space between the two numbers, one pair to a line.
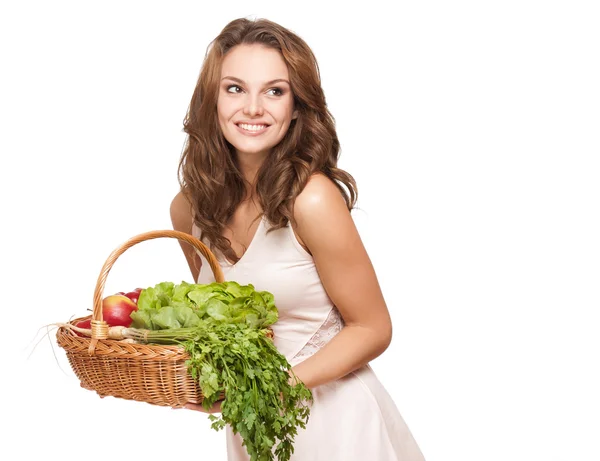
[208,173]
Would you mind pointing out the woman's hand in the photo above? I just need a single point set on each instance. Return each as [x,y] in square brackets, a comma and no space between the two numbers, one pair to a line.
[216,407]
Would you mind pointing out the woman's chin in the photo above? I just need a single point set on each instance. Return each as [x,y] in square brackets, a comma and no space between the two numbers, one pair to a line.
[252,150]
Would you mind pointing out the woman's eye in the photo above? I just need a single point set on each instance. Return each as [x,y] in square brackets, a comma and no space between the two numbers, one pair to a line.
[235,89]
[278,91]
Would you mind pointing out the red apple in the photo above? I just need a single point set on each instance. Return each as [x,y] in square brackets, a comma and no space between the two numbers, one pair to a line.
[134,296]
[83,324]
[117,309]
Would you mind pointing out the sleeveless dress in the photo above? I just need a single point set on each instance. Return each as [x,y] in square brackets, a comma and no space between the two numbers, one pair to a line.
[351,419]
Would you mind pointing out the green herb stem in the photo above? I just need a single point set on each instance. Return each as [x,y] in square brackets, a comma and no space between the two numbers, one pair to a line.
[243,363]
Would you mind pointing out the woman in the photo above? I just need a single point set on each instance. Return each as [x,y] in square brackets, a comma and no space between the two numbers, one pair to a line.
[259,184]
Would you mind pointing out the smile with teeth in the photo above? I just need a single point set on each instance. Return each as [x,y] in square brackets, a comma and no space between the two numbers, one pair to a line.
[252,127]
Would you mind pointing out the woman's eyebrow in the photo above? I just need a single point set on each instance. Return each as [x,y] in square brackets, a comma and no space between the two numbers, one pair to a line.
[239,80]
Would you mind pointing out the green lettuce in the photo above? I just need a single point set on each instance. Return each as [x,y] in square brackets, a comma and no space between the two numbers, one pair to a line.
[168,306]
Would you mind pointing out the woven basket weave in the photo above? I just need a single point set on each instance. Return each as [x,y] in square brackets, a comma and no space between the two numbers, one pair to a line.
[155,374]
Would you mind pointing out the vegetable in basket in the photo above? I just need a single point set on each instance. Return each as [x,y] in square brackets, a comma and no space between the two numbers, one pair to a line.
[167,306]
[239,360]
[224,329]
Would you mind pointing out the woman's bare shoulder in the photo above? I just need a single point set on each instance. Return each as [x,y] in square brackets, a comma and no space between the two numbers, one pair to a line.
[181,213]
[320,191]
[181,217]
[320,205]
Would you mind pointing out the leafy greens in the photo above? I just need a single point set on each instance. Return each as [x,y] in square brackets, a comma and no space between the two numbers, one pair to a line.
[223,327]
[168,306]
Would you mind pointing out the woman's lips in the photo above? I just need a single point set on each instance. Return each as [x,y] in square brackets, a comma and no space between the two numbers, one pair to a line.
[251,133]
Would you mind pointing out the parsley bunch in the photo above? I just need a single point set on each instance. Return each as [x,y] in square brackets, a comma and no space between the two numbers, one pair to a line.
[260,404]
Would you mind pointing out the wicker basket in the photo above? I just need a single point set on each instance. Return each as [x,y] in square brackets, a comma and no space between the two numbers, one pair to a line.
[155,374]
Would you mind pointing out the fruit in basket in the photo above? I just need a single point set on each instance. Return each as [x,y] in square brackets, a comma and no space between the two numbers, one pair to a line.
[117,309]
[87,324]
[229,321]
[134,295]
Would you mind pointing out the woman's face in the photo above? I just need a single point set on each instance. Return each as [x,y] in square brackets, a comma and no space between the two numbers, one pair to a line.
[255,104]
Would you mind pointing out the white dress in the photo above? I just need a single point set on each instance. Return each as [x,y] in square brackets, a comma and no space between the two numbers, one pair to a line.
[351,419]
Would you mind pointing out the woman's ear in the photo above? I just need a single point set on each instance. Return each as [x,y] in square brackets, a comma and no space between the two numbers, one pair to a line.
[294,114]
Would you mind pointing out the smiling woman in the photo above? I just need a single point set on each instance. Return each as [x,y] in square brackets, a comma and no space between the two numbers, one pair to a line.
[260,185]
[254,114]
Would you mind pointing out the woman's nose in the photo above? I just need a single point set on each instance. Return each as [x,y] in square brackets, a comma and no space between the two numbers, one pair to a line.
[253,106]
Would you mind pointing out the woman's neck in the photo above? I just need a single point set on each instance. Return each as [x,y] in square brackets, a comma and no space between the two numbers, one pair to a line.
[249,166]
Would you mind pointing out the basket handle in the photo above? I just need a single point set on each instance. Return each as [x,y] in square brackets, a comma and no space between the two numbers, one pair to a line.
[99,326]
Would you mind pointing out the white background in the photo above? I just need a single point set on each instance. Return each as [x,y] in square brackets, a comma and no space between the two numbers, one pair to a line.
[472,129]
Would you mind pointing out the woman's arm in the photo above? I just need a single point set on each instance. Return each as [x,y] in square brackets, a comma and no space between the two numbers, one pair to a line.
[325,226]
[181,217]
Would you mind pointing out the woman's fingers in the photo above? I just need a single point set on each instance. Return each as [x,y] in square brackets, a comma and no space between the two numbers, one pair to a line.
[215,408]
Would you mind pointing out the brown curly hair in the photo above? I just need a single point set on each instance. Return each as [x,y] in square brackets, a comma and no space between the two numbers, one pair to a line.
[208,171]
